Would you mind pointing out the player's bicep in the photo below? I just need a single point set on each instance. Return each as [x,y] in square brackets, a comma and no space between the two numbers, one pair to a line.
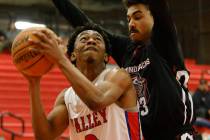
[110,93]
[116,84]
[58,117]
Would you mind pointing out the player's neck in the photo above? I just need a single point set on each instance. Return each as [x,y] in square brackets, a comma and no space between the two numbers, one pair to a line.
[143,42]
[91,71]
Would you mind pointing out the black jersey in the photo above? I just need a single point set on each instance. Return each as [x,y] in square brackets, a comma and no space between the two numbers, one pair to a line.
[166,108]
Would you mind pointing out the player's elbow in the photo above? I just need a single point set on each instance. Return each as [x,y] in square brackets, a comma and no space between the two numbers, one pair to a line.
[40,137]
[96,105]
[43,136]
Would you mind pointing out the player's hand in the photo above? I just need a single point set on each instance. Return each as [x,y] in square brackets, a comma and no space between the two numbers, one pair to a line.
[50,46]
[183,77]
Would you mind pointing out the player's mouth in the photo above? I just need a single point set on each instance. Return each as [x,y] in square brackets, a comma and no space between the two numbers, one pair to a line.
[91,48]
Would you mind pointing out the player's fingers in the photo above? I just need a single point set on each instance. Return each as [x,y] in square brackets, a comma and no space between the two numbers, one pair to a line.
[53,37]
[40,45]
[25,44]
[36,50]
[43,37]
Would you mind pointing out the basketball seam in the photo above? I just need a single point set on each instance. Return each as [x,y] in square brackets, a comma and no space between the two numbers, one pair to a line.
[19,50]
[34,63]
[50,67]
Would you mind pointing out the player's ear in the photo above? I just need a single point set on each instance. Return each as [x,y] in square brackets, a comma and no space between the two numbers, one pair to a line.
[106,58]
[73,57]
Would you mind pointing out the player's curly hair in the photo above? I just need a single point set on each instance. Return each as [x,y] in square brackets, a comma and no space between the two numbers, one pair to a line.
[129,3]
[90,26]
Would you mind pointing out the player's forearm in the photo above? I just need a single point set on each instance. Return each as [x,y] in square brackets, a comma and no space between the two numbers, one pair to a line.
[82,86]
[165,35]
[40,124]
[71,12]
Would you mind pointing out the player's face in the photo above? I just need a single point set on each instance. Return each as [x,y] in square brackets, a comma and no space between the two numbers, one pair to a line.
[140,22]
[90,46]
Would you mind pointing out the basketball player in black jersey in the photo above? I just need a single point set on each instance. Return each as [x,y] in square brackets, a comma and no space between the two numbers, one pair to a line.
[152,57]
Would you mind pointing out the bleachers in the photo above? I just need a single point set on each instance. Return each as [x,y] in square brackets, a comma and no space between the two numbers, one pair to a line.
[14,95]
[195,73]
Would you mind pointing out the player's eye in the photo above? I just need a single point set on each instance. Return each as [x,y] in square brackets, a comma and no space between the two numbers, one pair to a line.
[137,17]
[98,39]
[83,39]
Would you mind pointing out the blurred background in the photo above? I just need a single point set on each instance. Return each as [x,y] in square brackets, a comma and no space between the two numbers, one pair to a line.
[192,18]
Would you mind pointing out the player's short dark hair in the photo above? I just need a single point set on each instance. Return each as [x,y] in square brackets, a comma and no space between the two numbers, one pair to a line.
[90,26]
[129,3]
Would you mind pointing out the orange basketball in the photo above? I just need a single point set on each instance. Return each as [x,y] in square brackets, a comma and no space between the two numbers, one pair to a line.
[27,60]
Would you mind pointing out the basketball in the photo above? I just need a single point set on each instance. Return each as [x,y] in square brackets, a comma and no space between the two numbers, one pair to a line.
[27,60]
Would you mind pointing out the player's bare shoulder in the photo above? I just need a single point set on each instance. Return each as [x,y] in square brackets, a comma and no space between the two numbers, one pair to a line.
[60,98]
[120,77]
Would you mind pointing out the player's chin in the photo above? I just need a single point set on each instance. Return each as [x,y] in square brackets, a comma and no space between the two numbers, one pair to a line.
[90,55]
[91,60]
[135,38]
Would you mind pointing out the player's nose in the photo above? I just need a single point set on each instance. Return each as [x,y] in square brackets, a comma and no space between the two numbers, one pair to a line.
[91,41]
